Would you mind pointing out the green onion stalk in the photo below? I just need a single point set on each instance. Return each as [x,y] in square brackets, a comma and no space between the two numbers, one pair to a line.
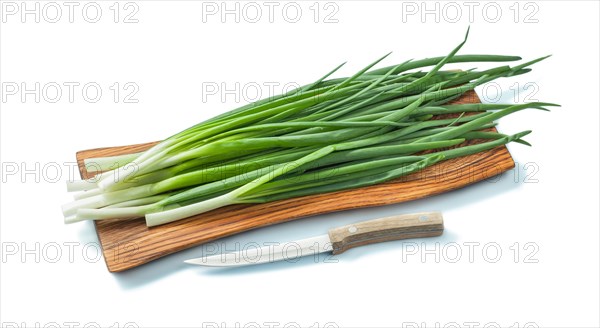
[330,135]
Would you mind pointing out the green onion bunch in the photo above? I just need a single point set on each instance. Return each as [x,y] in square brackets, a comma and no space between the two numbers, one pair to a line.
[333,134]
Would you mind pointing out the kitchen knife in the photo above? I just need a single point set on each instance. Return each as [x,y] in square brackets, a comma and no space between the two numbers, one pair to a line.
[338,240]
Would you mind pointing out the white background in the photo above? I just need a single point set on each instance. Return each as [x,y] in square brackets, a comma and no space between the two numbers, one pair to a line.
[173,49]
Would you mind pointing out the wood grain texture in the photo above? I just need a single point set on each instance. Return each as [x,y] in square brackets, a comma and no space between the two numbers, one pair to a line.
[406,226]
[129,243]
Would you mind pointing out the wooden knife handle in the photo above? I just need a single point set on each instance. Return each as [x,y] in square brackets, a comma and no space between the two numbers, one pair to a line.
[418,225]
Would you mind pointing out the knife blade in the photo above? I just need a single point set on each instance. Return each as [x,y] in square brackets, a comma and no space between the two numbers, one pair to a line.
[337,240]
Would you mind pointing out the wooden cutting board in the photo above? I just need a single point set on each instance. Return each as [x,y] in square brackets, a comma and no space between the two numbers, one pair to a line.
[129,243]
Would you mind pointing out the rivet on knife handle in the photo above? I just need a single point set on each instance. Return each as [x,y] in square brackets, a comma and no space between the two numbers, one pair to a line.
[418,225]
